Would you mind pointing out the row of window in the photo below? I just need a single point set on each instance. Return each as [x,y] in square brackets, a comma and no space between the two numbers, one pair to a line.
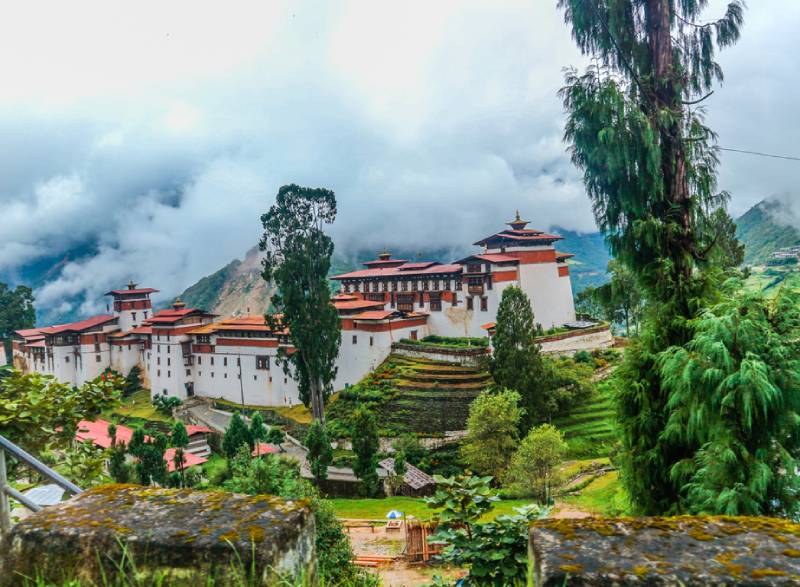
[402,285]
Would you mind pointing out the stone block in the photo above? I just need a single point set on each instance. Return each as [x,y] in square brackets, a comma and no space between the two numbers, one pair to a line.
[184,535]
[665,551]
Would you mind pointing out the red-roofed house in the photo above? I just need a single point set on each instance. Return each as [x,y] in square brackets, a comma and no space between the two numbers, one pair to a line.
[97,432]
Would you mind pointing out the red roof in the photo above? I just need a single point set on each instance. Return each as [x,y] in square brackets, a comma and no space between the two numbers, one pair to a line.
[29,332]
[560,255]
[192,429]
[170,316]
[144,290]
[343,297]
[37,343]
[399,271]
[492,258]
[385,262]
[97,432]
[417,265]
[520,236]
[357,305]
[79,326]
[374,315]
[189,459]
[263,448]
[488,325]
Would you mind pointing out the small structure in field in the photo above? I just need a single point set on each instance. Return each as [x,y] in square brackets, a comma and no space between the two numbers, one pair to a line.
[416,483]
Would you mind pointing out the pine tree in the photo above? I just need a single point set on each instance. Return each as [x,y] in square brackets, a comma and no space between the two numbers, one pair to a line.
[649,166]
[365,445]
[258,432]
[516,361]
[236,435]
[276,436]
[735,392]
[179,439]
[320,453]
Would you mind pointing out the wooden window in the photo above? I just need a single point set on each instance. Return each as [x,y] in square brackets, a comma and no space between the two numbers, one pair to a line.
[262,363]
[158,361]
[66,359]
[375,286]
[199,360]
[169,362]
[469,303]
[455,299]
[371,341]
[404,285]
[188,373]
[133,315]
[169,373]
[484,304]
[97,358]
[425,285]
[394,285]
[346,288]
[413,335]
[212,361]
[204,339]
[384,286]
[435,285]
[224,361]
[355,339]
[474,268]
[405,302]
[436,301]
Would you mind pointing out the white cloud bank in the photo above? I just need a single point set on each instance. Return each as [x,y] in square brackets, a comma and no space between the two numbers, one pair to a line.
[160,132]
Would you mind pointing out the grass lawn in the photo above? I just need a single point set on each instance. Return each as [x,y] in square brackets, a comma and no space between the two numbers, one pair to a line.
[590,429]
[571,469]
[376,509]
[215,468]
[604,496]
[138,405]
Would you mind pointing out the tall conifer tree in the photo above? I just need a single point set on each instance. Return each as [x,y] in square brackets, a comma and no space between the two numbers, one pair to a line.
[516,361]
[649,167]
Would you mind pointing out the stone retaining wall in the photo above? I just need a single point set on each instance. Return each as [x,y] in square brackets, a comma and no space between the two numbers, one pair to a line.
[569,343]
[467,357]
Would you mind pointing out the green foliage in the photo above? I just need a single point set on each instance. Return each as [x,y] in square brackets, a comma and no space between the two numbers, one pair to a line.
[236,435]
[37,410]
[649,166]
[258,432]
[281,476]
[149,453]
[165,404]
[366,444]
[412,449]
[297,260]
[462,499]
[276,435]
[118,468]
[735,393]
[621,300]
[533,468]
[516,361]
[495,552]
[83,463]
[16,313]
[492,432]
[180,440]
[458,342]
[133,381]
[320,453]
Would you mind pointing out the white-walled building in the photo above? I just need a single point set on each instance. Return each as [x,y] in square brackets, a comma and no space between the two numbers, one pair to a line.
[182,352]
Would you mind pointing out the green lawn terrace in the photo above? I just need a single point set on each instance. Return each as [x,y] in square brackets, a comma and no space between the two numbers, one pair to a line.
[415,395]
[590,429]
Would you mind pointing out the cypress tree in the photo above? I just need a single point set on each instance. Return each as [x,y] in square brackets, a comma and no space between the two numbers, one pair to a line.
[179,439]
[649,167]
[365,445]
[236,435]
[258,432]
[320,453]
[516,361]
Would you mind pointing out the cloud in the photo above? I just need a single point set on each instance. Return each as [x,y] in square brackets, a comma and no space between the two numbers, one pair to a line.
[159,134]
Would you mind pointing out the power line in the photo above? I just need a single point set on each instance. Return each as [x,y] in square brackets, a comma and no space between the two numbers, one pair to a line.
[787,157]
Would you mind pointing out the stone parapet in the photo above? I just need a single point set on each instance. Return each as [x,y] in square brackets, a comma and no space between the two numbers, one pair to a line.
[665,551]
[181,535]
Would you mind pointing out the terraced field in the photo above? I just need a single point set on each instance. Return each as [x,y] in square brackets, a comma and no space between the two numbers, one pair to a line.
[590,429]
[416,395]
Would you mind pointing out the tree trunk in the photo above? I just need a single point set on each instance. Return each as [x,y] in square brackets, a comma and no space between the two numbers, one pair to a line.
[317,403]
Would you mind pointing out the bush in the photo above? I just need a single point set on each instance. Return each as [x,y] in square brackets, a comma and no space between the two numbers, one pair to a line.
[165,404]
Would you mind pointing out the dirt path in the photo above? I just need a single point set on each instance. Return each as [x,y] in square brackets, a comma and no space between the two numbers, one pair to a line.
[566,511]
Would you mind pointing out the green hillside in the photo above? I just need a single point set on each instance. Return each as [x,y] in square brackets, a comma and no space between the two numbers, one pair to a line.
[761,235]
[590,429]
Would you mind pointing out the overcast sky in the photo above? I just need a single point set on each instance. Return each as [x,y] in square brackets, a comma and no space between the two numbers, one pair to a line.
[162,130]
